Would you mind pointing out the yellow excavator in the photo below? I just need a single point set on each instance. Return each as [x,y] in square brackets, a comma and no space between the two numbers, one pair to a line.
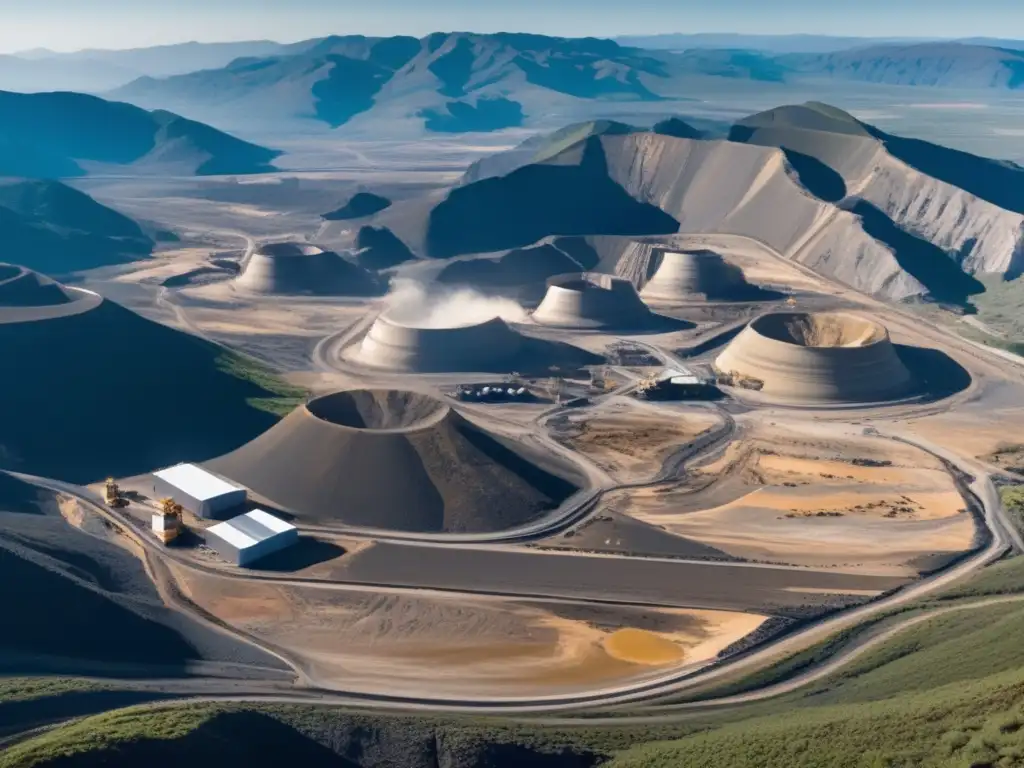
[646,384]
[167,524]
[112,494]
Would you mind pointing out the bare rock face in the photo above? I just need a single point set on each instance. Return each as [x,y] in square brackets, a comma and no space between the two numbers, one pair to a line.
[722,187]
[592,300]
[817,358]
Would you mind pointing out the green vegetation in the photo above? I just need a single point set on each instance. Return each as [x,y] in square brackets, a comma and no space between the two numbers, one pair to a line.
[224,734]
[958,645]
[1005,577]
[975,723]
[1013,500]
[792,665]
[108,732]
[999,308]
[286,396]
[24,688]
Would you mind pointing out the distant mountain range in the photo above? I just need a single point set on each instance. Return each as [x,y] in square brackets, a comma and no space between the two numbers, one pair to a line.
[56,135]
[778,44]
[462,82]
[951,65]
[771,44]
[451,82]
[94,70]
[99,71]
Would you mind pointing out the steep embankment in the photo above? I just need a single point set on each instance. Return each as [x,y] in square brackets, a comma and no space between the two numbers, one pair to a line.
[896,218]
[85,602]
[945,214]
[725,187]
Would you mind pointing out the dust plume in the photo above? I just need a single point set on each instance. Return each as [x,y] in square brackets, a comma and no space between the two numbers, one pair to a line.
[411,303]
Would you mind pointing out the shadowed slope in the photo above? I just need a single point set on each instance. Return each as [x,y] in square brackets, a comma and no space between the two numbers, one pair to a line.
[930,265]
[61,134]
[76,591]
[380,248]
[359,205]
[55,229]
[569,195]
[79,374]
[20,287]
[396,461]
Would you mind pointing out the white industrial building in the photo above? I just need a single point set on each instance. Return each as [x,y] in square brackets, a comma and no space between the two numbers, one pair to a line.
[244,539]
[681,377]
[200,492]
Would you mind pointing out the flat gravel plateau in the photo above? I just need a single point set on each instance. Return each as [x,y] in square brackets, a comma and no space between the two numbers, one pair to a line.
[675,583]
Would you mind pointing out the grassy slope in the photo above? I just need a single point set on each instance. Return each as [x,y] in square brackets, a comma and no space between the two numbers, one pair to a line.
[285,397]
[25,688]
[1013,500]
[963,724]
[108,732]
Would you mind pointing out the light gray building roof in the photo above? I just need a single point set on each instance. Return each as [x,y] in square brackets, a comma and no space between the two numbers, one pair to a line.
[250,529]
[196,482]
[679,376]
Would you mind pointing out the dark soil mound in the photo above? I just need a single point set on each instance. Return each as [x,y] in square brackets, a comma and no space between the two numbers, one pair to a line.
[396,461]
[361,204]
[20,287]
[380,248]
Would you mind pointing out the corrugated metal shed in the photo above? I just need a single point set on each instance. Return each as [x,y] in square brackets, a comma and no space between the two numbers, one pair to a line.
[246,538]
[200,492]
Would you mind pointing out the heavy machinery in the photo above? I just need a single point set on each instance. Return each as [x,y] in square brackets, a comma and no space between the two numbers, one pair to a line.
[167,523]
[112,494]
[646,384]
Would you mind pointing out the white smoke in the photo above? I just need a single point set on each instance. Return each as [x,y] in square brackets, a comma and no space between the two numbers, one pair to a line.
[411,303]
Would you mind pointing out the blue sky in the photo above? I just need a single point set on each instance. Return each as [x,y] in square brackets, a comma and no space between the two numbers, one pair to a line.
[75,24]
